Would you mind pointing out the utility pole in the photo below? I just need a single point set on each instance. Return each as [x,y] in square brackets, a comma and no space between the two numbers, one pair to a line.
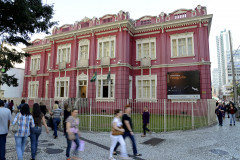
[233,72]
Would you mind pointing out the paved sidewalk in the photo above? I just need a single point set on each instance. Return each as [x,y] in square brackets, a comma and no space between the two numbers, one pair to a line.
[211,143]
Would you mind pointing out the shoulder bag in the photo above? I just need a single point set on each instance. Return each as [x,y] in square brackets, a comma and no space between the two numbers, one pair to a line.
[116,132]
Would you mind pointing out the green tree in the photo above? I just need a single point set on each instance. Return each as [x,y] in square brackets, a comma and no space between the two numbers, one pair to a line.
[19,19]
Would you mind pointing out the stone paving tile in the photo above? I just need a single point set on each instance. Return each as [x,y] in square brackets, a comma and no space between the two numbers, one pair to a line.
[210,143]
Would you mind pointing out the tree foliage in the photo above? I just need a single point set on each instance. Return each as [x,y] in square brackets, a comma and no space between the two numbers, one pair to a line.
[19,19]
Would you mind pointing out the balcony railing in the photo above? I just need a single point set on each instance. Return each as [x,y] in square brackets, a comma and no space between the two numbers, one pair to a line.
[146,62]
[105,61]
[82,63]
[62,65]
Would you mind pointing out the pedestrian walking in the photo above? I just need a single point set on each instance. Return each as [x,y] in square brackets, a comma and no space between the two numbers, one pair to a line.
[24,121]
[145,118]
[66,114]
[56,113]
[5,117]
[11,106]
[5,103]
[232,111]
[22,103]
[35,132]
[218,111]
[118,138]
[128,126]
[73,134]
[43,108]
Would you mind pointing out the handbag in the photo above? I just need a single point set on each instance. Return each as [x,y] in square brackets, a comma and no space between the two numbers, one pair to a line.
[71,136]
[116,132]
[15,126]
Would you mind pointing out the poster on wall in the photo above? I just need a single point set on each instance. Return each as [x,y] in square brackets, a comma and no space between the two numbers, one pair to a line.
[183,85]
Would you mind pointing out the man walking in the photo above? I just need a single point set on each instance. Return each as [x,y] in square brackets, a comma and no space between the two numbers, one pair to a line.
[5,117]
[128,126]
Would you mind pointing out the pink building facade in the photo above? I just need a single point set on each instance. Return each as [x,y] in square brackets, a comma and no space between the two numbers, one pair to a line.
[131,58]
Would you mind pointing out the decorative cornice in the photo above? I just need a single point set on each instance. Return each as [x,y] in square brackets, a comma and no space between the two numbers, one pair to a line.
[38,75]
[182,28]
[64,40]
[39,47]
[83,36]
[106,32]
[149,33]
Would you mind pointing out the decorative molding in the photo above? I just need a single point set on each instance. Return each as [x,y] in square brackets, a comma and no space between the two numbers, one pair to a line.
[106,32]
[69,39]
[157,32]
[205,25]
[38,47]
[182,28]
[83,36]
[38,75]
[36,52]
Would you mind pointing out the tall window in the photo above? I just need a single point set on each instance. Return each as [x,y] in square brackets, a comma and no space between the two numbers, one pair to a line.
[64,53]
[106,47]
[146,48]
[62,87]
[182,45]
[33,89]
[35,62]
[105,88]
[146,87]
[130,87]
[49,58]
[83,52]
[46,89]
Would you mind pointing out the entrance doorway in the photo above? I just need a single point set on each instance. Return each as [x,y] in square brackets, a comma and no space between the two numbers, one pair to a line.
[82,89]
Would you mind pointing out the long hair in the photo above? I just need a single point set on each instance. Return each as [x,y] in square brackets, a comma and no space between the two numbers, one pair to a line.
[55,106]
[36,112]
[25,110]
[22,101]
[66,107]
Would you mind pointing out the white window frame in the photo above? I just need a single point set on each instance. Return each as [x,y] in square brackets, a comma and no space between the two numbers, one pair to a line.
[180,36]
[81,77]
[83,42]
[38,57]
[106,39]
[30,89]
[150,78]
[46,89]
[61,47]
[49,59]
[130,87]
[66,92]
[142,41]
[104,77]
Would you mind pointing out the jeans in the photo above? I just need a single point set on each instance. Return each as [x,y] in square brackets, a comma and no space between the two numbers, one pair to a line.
[3,138]
[69,144]
[128,134]
[20,145]
[220,120]
[145,128]
[232,118]
[56,122]
[35,133]
[115,140]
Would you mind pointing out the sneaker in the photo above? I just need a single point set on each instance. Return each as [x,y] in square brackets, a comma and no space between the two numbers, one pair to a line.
[111,158]
[137,154]
[114,153]
[55,137]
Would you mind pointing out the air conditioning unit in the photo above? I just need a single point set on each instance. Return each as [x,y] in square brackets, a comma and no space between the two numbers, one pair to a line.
[34,72]
[62,65]
[82,63]
[105,61]
[146,62]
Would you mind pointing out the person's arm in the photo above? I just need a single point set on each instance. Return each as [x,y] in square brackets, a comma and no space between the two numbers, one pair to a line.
[9,123]
[15,119]
[32,122]
[68,126]
[45,125]
[117,128]
[9,119]
[128,126]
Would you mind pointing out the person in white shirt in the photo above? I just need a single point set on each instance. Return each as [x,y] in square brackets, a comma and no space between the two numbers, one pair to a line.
[116,124]
[5,117]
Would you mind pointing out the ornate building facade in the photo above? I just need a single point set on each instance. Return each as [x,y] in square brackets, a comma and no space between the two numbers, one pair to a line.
[115,57]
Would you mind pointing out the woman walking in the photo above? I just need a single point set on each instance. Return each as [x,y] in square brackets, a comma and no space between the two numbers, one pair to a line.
[56,113]
[116,124]
[232,111]
[36,131]
[10,106]
[72,124]
[67,113]
[145,118]
[24,121]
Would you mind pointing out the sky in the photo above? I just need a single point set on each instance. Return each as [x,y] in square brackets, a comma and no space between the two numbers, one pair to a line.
[226,14]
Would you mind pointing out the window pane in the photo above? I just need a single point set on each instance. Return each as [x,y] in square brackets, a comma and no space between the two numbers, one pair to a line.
[139,89]
[153,89]
[68,55]
[106,49]
[145,49]
[174,48]
[63,55]
[62,91]
[112,49]
[146,89]
[112,89]
[100,50]
[105,91]
[139,51]
[153,48]
[59,55]
[190,47]
[182,47]
[99,89]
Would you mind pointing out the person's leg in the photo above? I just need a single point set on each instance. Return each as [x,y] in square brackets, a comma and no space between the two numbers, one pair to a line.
[58,120]
[124,136]
[147,128]
[24,139]
[144,129]
[69,144]
[3,138]
[221,120]
[39,131]
[134,147]
[33,142]
[55,126]
[77,145]
[231,118]
[123,147]
[18,141]
[114,140]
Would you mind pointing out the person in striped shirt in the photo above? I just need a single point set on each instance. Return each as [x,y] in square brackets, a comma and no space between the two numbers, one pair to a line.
[24,121]
[56,113]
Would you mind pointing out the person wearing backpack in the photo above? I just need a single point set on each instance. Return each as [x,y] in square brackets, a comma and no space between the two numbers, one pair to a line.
[232,111]
[218,111]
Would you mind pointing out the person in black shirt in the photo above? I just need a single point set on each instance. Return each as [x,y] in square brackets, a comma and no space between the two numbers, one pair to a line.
[43,108]
[128,126]
[67,113]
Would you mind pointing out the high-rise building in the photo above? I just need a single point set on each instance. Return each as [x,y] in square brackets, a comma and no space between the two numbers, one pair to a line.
[215,82]
[236,59]
[223,49]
